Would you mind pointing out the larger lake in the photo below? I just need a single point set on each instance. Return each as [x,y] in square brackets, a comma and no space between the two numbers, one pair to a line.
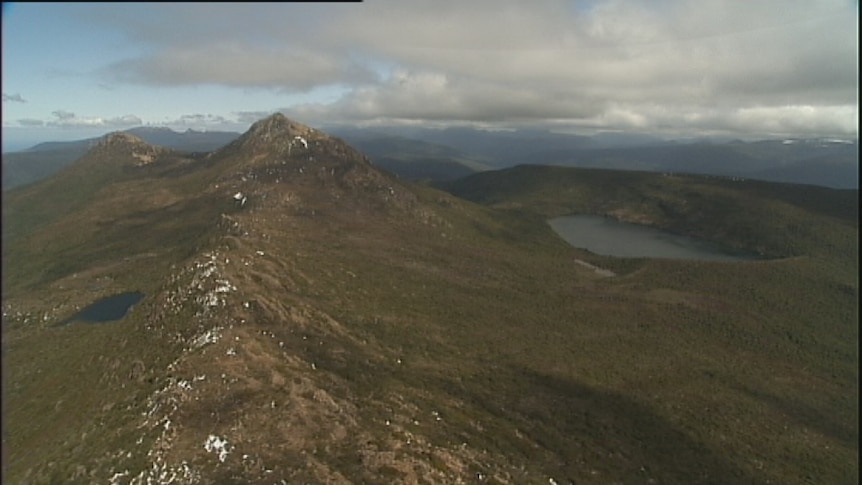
[609,237]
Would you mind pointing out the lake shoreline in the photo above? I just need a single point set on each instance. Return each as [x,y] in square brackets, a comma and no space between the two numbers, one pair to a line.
[610,237]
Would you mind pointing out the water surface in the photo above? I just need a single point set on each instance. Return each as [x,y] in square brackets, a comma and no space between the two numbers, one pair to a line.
[107,309]
[609,237]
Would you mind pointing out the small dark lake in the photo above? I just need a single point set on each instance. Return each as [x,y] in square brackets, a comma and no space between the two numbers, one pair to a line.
[107,309]
[609,237]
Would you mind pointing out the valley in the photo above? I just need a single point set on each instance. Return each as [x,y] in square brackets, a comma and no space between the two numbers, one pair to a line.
[310,318]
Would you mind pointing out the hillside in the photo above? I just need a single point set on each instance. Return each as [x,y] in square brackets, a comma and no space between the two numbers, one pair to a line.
[776,220]
[309,318]
[46,159]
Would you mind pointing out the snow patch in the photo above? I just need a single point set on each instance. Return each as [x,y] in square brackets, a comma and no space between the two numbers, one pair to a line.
[211,336]
[217,445]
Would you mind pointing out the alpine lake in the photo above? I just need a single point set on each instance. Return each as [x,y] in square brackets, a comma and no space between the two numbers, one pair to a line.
[108,309]
[610,237]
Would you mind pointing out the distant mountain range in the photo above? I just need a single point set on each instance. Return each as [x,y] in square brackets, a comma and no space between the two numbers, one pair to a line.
[45,159]
[438,155]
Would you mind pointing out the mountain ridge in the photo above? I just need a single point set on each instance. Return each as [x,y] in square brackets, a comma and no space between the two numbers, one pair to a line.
[310,318]
[417,154]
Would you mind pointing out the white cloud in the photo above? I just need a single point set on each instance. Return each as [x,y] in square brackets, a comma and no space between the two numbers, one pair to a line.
[621,64]
[772,66]
[251,116]
[240,64]
[68,119]
[13,97]
[30,122]
[199,119]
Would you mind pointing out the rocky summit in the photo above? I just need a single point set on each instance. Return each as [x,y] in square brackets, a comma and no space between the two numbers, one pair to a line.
[267,265]
[309,318]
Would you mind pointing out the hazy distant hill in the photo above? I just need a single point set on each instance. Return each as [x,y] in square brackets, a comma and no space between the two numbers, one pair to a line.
[834,170]
[415,153]
[499,148]
[189,140]
[45,159]
[808,162]
[412,159]
[827,163]
[42,161]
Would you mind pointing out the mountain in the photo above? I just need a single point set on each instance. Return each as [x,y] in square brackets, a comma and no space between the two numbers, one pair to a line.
[22,168]
[412,159]
[833,170]
[829,163]
[739,213]
[46,159]
[415,153]
[189,140]
[497,148]
[310,318]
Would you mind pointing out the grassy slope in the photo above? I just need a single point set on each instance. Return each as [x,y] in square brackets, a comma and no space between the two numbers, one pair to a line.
[537,367]
[773,337]
[101,227]
[775,219]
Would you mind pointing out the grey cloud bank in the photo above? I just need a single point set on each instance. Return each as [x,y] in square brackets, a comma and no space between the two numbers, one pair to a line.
[14,98]
[673,67]
[67,119]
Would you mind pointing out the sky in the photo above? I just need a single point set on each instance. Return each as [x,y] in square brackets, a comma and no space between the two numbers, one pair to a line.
[750,69]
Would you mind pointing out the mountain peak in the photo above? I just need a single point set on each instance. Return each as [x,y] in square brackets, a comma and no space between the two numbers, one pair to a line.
[120,137]
[125,144]
[278,134]
[277,125]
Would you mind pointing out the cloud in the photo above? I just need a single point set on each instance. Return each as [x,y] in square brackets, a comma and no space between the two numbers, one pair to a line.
[618,64]
[68,119]
[30,122]
[672,65]
[209,121]
[251,116]
[240,65]
[63,115]
[417,95]
[13,97]
[198,120]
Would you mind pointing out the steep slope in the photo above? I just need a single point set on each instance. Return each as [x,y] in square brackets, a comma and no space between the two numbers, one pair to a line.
[46,159]
[311,319]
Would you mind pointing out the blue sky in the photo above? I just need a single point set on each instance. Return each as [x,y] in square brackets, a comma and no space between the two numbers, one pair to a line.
[761,69]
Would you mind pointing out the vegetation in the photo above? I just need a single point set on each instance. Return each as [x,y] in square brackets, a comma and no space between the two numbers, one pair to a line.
[385,332]
[777,220]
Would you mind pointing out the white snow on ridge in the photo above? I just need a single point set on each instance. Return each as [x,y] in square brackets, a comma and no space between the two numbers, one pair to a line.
[216,444]
[240,197]
[301,140]
[211,336]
